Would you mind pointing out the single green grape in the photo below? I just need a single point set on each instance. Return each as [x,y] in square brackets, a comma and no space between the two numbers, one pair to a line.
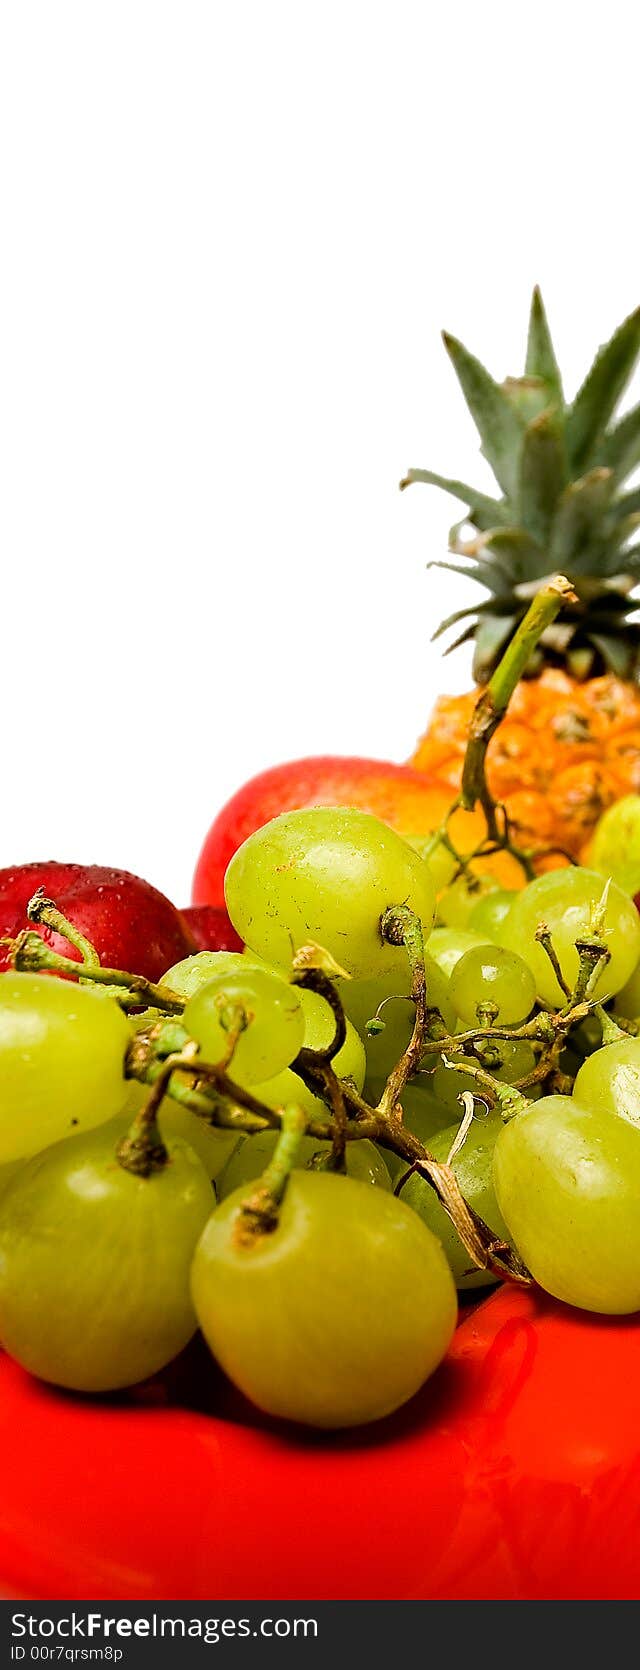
[609,1079]
[627,1001]
[326,876]
[565,900]
[363,1160]
[441,864]
[448,945]
[192,973]
[461,898]
[275,1022]
[567,1181]
[338,1315]
[362,998]
[615,848]
[490,912]
[62,1054]
[492,976]
[472,1167]
[95,1262]
[506,1060]
[319,1027]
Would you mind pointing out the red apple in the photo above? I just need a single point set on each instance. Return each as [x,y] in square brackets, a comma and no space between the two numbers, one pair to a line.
[131,924]
[211,928]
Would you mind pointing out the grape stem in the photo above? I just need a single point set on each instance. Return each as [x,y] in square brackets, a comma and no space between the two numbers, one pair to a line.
[142,1151]
[133,991]
[400,926]
[259,1213]
[494,700]
[44,910]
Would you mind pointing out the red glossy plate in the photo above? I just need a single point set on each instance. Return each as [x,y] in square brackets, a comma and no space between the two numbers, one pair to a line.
[515,1474]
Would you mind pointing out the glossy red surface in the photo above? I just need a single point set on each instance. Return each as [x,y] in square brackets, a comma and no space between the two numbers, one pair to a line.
[131,924]
[515,1474]
[210,928]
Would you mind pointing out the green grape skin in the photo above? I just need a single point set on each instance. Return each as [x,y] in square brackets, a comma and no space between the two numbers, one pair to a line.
[441,864]
[212,1144]
[609,1080]
[627,1001]
[361,999]
[339,1315]
[493,976]
[192,973]
[448,945]
[490,912]
[567,1181]
[363,1161]
[326,875]
[472,1167]
[458,901]
[516,1061]
[95,1262]
[275,1031]
[319,1027]
[565,900]
[62,1056]
[615,848]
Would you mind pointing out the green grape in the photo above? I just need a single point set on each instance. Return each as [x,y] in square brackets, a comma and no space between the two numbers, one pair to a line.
[490,912]
[327,876]
[567,1181]
[319,1027]
[364,1162]
[335,1318]
[472,1167]
[361,999]
[212,1144]
[189,976]
[275,1028]
[615,848]
[448,945]
[609,1080]
[94,1263]
[62,1051]
[493,976]
[441,864]
[505,1060]
[456,904]
[565,901]
[627,1001]
[8,1171]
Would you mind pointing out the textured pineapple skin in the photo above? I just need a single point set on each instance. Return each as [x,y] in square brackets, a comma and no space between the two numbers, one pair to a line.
[563,754]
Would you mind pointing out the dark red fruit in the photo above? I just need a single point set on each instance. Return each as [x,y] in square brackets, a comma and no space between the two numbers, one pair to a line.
[211,928]
[131,924]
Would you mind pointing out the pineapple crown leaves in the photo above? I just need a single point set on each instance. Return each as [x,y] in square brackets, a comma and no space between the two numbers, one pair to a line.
[561,470]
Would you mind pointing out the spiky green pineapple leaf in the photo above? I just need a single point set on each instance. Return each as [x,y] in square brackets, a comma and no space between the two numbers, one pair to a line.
[490,639]
[494,415]
[620,448]
[541,357]
[484,511]
[581,506]
[517,551]
[598,397]
[543,473]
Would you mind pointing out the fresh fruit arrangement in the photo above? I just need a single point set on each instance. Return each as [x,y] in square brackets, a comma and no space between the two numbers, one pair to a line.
[215,1148]
[255,1155]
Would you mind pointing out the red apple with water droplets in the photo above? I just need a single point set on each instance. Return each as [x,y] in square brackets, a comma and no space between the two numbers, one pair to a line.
[131,924]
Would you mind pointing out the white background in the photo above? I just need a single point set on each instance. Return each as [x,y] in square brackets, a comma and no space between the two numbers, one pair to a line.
[230,235]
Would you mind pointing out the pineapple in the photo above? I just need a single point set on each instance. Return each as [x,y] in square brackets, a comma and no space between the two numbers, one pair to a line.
[570,744]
